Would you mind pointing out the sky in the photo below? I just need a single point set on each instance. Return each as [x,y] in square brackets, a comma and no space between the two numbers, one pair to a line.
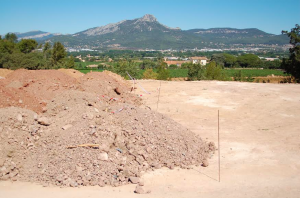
[71,16]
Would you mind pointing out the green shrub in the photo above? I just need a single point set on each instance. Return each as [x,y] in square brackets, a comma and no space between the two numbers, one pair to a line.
[150,74]
[163,72]
[196,72]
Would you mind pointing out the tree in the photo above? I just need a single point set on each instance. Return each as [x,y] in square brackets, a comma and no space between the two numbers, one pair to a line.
[196,72]
[292,65]
[214,72]
[249,60]
[58,53]
[163,72]
[146,64]
[7,46]
[70,63]
[47,46]
[229,61]
[124,66]
[27,45]
[11,37]
[149,74]
[219,59]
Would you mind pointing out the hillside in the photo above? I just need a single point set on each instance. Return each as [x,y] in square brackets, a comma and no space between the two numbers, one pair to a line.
[148,33]
[37,35]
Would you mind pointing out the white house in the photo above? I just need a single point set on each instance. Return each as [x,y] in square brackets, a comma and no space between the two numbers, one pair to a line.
[201,60]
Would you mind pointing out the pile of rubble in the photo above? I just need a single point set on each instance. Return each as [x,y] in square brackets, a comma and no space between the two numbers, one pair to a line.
[95,134]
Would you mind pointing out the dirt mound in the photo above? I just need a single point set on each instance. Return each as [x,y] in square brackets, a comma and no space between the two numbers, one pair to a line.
[92,131]
[5,72]
[37,88]
[83,141]
[103,83]
[72,72]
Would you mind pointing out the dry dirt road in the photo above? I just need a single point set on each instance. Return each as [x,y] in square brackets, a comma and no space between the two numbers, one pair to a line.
[260,143]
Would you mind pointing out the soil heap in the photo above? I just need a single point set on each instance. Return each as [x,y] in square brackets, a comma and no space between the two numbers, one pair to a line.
[91,131]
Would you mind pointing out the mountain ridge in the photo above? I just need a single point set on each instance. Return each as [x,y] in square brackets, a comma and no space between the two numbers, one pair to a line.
[148,33]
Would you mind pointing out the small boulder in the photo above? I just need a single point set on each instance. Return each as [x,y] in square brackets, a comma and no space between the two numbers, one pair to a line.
[117,90]
[205,163]
[134,180]
[140,190]
[44,121]
[67,126]
[103,156]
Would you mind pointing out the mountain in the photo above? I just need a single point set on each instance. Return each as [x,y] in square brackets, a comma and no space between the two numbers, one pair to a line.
[147,32]
[37,35]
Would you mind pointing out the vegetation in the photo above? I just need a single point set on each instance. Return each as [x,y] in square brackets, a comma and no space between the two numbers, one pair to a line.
[149,74]
[124,67]
[254,72]
[292,64]
[212,71]
[163,71]
[24,54]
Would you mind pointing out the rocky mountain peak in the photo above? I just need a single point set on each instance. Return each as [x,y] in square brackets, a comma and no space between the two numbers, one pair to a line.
[148,17]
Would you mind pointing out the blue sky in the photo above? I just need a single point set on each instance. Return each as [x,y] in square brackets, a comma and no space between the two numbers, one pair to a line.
[71,16]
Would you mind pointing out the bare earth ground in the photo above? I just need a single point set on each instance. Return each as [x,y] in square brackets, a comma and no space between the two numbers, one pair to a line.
[260,143]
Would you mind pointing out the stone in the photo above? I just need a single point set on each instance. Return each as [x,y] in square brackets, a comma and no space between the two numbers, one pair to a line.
[117,90]
[19,118]
[35,117]
[59,178]
[66,127]
[103,156]
[205,163]
[140,190]
[44,121]
[73,183]
[134,180]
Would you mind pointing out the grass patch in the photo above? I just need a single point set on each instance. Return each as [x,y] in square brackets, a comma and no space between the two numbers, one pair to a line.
[254,72]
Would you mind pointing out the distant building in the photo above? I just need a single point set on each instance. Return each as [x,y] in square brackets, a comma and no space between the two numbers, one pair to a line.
[178,63]
[199,59]
[171,58]
[269,59]
[92,66]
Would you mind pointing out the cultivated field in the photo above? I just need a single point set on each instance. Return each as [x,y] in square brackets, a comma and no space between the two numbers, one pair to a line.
[260,143]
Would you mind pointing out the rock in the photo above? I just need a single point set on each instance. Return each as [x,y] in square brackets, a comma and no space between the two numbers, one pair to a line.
[20,101]
[103,156]
[117,90]
[134,180]
[19,118]
[44,121]
[140,190]
[67,126]
[35,117]
[59,178]
[205,163]
[73,183]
